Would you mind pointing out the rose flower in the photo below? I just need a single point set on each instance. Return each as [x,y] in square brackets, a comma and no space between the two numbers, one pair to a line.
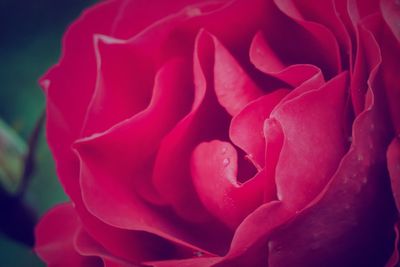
[226,133]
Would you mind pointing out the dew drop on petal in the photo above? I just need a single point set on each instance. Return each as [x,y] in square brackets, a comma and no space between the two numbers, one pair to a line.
[226,162]
[223,150]
[198,253]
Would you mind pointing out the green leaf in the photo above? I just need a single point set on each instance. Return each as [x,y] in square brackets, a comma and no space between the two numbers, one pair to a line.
[12,154]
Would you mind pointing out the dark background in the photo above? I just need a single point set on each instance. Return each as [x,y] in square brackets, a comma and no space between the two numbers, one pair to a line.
[30,40]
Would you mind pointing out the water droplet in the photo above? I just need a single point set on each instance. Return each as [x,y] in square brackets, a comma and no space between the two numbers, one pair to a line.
[198,253]
[360,157]
[226,162]
[372,126]
[223,150]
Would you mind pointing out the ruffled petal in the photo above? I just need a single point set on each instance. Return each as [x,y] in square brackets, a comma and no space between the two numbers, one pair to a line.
[214,174]
[71,82]
[114,189]
[246,130]
[325,42]
[268,61]
[123,86]
[233,87]
[354,215]
[205,121]
[390,44]
[308,138]
[57,247]
[391,14]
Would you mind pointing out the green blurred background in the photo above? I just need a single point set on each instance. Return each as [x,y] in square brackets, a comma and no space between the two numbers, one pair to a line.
[30,39]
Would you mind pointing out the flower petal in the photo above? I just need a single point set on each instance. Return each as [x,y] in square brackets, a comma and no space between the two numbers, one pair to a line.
[355,214]
[123,86]
[206,120]
[214,174]
[233,87]
[391,14]
[246,130]
[268,61]
[57,247]
[322,38]
[308,138]
[111,188]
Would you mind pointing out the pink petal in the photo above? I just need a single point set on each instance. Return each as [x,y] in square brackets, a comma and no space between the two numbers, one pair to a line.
[314,45]
[111,187]
[326,14]
[192,262]
[308,138]
[391,14]
[368,55]
[86,246]
[255,228]
[214,174]
[71,82]
[205,120]
[266,60]
[354,215]
[391,64]
[134,17]
[246,130]
[125,245]
[233,87]
[274,139]
[123,86]
[322,37]
[57,247]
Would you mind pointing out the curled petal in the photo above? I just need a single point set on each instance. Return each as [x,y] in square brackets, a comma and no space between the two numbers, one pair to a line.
[233,87]
[246,130]
[123,86]
[57,247]
[309,138]
[266,60]
[214,173]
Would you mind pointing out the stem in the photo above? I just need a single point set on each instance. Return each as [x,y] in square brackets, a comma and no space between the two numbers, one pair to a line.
[30,160]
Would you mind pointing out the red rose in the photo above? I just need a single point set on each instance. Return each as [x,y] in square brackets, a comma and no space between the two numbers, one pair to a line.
[215,133]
